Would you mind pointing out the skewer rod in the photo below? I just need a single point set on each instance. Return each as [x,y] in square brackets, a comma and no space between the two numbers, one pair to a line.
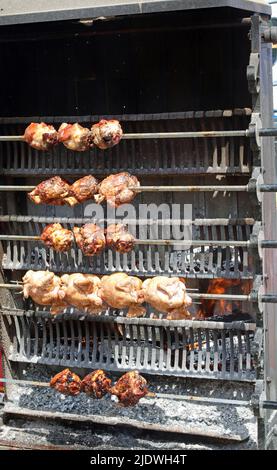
[150,242]
[158,135]
[267,132]
[184,189]
[267,298]
[189,189]
[150,395]
[11,286]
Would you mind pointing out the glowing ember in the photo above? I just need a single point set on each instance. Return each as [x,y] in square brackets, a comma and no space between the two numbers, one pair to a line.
[213,307]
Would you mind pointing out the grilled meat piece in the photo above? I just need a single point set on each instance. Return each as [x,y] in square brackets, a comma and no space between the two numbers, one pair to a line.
[66,382]
[115,189]
[96,384]
[84,188]
[106,134]
[167,295]
[130,388]
[41,136]
[44,288]
[74,137]
[90,238]
[82,291]
[57,237]
[54,191]
[122,291]
[119,239]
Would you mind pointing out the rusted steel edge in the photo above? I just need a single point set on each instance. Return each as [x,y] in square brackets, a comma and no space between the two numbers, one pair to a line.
[122,422]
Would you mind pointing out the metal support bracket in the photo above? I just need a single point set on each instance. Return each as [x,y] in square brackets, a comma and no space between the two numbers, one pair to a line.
[253,73]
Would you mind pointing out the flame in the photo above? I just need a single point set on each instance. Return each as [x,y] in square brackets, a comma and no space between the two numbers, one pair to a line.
[222,307]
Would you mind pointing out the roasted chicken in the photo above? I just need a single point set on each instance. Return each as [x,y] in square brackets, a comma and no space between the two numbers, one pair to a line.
[57,237]
[82,291]
[44,288]
[41,136]
[122,291]
[66,382]
[84,188]
[58,192]
[115,189]
[74,137]
[130,388]
[119,239]
[55,191]
[106,134]
[167,295]
[90,238]
[96,384]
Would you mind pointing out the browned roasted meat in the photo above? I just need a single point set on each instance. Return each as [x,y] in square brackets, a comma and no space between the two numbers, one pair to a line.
[122,291]
[167,295]
[130,388]
[66,382]
[41,136]
[96,384]
[119,239]
[44,289]
[90,238]
[82,291]
[54,191]
[74,137]
[84,188]
[106,134]
[57,237]
[115,189]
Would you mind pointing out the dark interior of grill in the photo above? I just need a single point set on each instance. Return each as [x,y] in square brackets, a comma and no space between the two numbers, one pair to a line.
[133,70]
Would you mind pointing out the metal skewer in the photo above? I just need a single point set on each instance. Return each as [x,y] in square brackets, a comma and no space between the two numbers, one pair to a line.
[187,189]
[252,297]
[150,395]
[266,132]
[188,243]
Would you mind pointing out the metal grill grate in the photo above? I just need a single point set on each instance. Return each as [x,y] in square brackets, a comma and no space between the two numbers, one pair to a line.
[205,262]
[179,348]
[185,156]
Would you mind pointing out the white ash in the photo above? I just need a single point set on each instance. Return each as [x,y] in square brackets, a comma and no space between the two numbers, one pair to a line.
[221,419]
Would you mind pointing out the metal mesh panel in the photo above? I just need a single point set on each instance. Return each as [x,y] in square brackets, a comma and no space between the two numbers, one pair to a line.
[180,348]
[165,156]
[203,262]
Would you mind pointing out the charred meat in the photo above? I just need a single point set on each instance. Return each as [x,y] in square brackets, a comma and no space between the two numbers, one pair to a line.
[106,134]
[54,191]
[130,388]
[90,238]
[41,136]
[84,188]
[66,382]
[56,237]
[96,384]
[115,189]
[74,137]
[119,239]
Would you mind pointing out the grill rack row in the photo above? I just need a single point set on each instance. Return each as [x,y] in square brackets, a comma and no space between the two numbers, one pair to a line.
[145,157]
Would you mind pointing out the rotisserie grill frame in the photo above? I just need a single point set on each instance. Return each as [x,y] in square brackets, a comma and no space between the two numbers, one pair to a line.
[230,92]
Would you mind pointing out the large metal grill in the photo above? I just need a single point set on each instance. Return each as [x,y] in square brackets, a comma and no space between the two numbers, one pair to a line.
[226,347]
[208,349]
